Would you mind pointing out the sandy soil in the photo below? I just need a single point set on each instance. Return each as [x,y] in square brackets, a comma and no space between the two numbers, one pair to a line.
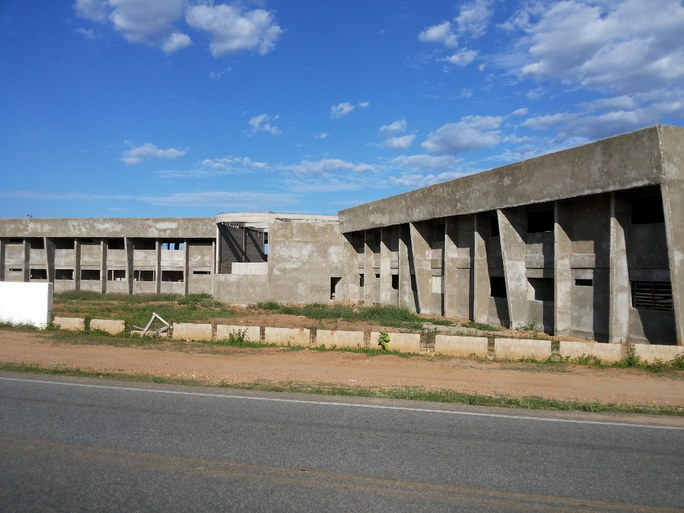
[278,365]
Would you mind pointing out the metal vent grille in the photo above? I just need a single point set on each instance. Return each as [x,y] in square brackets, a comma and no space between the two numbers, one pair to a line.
[652,295]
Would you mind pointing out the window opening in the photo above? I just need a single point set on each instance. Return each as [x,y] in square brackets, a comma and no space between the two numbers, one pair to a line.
[584,283]
[361,280]
[38,274]
[64,274]
[540,221]
[395,281]
[116,243]
[90,274]
[647,210]
[334,280]
[174,276]
[497,286]
[116,274]
[543,288]
[64,243]
[140,275]
[37,243]
[652,295]
[201,272]
[144,244]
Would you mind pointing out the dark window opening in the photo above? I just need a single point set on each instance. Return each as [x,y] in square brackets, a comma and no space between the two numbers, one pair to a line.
[334,280]
[494,227]
[201,272]
[88,242]
[90,274]
[37,243]
[377,276]
[647,210]
[540,221]
[15,270]
[497,286]
[652,295]
[395,281]
[543,288]
[38,274]
[172,245]
[64,274]
[584,283]
[143,275]
[174,276]
[64,243]
[16,241]
[144,244]
[116,274]
[200,242]
[361,280]
[116,243]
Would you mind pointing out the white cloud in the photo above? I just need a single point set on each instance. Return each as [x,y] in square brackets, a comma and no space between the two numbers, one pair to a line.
[148,151]
[441,34]
[328,166]
[426,162]
[400,143]
[474,18]
[234,164]
[222,200]
[471,133]
[364,105]
[87,33]
[398,126]
[341,109]
[519,112]
[322,135]
[264,123]
[461,58]
[231,29]
[424,180]
[392,139]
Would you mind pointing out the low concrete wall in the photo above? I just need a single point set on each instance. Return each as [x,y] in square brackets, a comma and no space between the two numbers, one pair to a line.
[339,338]
[108,326]
[252,333]
[26,303]
[287,336]
[190,331]
[461,346]
[403,342]
[651,353]
[518,348]
[606,352]
[70,323]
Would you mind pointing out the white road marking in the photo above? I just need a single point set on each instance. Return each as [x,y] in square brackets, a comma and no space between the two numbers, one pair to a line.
[342,404]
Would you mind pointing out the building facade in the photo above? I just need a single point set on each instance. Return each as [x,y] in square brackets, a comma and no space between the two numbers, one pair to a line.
[586,242]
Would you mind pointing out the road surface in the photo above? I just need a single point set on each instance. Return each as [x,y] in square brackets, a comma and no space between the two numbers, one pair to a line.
[88,445]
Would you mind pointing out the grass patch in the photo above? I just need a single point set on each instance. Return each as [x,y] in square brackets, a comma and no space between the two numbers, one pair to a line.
[481,326]
[383,315]
[405,393]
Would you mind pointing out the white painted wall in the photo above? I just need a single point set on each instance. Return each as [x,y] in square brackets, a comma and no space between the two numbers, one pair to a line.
[26,303]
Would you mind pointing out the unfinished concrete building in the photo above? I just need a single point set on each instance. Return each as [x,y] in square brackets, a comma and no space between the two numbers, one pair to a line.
[585,242]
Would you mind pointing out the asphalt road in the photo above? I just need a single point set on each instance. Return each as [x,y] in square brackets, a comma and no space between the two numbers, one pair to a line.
[88,445]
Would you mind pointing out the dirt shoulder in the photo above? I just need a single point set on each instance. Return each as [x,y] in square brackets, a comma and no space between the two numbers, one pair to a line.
[282,366]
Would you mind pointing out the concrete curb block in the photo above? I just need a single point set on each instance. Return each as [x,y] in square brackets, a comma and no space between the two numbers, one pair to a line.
[339,338]
[606,352]
[108,326]
[403,342]
[519,348]
[190,331]
[252,333]
[70,323]
[287,336]
[454,345]
[651,353]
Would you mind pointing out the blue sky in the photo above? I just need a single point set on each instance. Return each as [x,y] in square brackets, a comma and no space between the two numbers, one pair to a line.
[164,108]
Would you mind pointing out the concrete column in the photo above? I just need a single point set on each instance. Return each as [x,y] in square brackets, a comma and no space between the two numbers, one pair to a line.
[157,249]
[480,270]
[77,264]
[562,272]
[49,245]
[513,250]
[406,293]
[186,267]
[620,292]
[451,286]
[104,246]
[367,293]
[128,244]
[673,210]
[385,270]
[27,260]
[3,252]
[422,268]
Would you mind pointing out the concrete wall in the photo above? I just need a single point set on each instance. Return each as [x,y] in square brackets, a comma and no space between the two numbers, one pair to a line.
[252,333]
[339,338]
[287,336]
[461,346]
[112,327]
[26,303]
[402,342]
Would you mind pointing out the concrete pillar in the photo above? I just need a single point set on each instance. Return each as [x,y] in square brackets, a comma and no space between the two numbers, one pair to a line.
[406,292]
[77,264]
[385,270]
[620,291]
[513,250]
[157,267]
[27,260]
[422,267]
[128,244]
[673,210]
[3,252]
[451,286]
[480,270]
[562,271]
[186,267]
[49,245]
[104,246]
